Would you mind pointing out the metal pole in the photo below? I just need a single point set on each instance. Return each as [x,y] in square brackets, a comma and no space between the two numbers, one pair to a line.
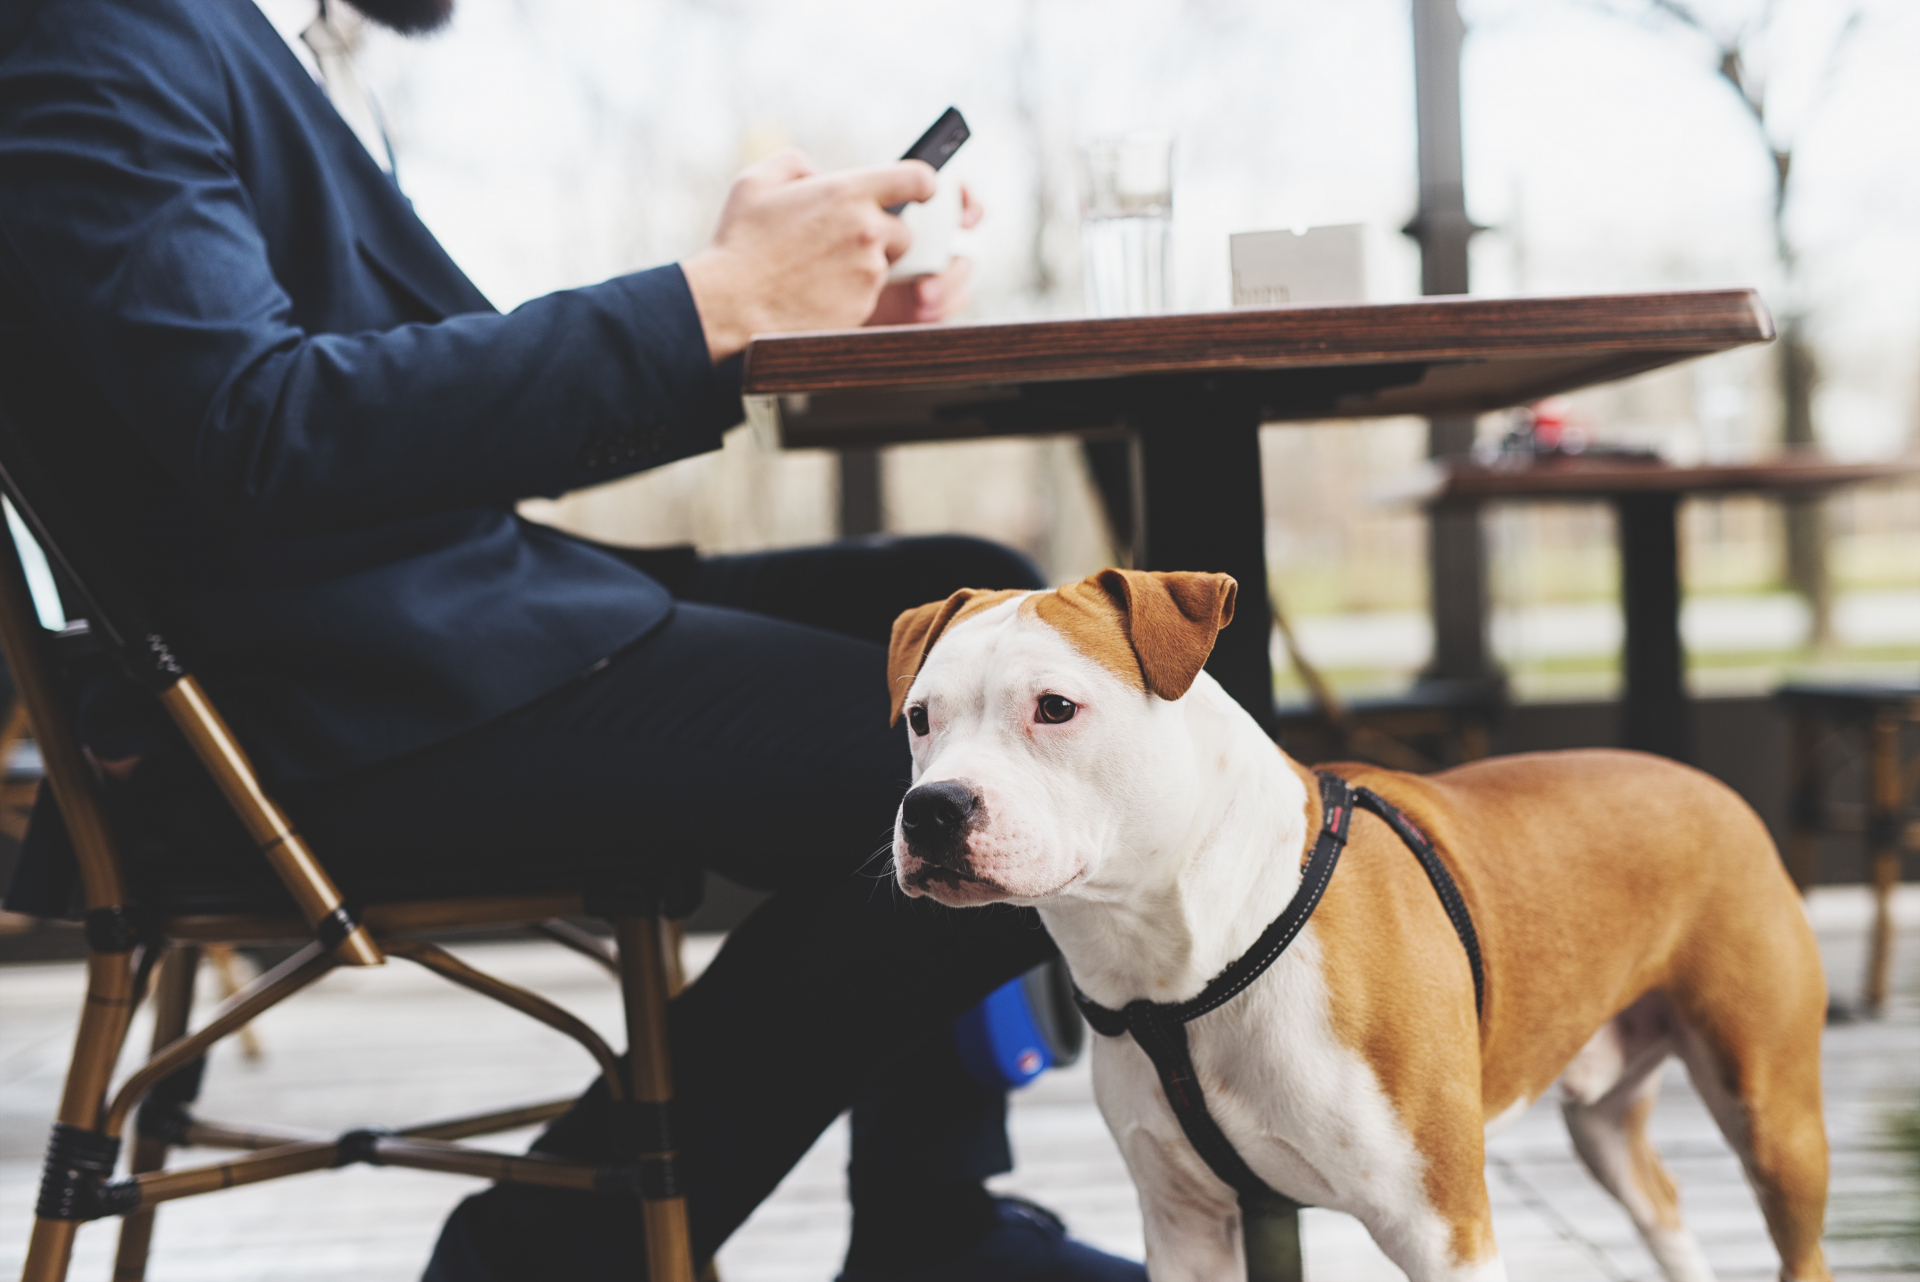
[1456,545]
[1441,225]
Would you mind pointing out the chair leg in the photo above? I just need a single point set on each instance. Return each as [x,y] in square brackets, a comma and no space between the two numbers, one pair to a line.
[1884,838]
[226,964]
[78,1157]
[644,970]
[675,947]
[172,1005]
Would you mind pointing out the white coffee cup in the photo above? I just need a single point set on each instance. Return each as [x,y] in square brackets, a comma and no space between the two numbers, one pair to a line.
[935,225]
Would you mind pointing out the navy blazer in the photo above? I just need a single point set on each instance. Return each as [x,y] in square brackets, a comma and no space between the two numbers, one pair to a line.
[298,422]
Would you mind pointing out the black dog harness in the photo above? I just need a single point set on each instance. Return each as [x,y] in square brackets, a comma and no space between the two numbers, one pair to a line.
[1161,1027]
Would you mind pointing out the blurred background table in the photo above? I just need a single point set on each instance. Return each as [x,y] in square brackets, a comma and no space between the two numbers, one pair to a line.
[1191,392]
[1655,715]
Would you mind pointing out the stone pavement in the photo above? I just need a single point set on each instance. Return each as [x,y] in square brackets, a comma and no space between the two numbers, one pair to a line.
[336,1057]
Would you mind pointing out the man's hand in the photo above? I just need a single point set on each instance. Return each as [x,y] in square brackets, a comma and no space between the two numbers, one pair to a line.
[800,250]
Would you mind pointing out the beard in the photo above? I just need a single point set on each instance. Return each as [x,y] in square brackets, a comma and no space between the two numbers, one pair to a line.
[408,17]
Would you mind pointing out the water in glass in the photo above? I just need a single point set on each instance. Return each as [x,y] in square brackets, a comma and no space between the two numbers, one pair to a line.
[1126,209]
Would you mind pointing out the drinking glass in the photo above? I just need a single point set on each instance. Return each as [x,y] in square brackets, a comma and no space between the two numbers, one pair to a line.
[1126,206]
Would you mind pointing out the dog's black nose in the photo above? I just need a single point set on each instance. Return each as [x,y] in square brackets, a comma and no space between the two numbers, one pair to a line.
[935,813]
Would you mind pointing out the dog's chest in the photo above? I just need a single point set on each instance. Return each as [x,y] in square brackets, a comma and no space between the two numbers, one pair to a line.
[1304,1111]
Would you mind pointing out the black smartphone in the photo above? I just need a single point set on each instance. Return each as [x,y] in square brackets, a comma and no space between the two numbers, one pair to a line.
[937,145]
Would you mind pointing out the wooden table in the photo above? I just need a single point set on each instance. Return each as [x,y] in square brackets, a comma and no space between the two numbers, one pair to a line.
[1655,714]
[1194,389]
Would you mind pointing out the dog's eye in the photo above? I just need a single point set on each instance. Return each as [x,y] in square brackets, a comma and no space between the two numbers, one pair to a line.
[917,718]
[1054,709]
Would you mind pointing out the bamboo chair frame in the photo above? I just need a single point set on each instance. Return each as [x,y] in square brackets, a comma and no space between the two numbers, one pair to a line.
[16,795]
[1869,721]
[126,946]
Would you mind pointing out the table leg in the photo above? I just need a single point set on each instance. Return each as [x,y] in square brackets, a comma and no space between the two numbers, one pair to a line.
[1270,1234]
[1654,713]
[1203,510]
[1457,570]
[861,504]
[1114,466]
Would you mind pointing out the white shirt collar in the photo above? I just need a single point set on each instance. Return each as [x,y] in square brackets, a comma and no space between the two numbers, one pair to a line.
[290,18]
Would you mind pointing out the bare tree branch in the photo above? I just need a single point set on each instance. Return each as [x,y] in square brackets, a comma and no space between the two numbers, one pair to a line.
[1830,75]
[1028,112]
[1680,13]
[1732,65]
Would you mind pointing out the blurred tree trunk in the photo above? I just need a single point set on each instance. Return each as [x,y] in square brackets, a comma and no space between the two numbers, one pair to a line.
[1806,518]
[1798,370]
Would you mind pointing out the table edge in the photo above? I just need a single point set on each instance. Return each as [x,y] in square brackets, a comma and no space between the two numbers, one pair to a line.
[1694,321]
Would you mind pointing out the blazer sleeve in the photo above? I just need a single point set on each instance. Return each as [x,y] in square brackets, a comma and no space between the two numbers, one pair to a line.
[125,225]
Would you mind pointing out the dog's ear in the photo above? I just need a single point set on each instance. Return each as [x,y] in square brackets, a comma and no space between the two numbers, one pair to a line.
[915,631]
[1171,620]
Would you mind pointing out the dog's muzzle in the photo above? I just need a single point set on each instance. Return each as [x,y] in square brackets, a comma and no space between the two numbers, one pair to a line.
[935,819]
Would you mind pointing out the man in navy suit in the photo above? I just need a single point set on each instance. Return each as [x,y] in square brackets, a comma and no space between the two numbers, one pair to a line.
[303,431]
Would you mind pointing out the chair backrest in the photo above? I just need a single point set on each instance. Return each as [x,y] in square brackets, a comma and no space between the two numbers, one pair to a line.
[75,788]
[118,620]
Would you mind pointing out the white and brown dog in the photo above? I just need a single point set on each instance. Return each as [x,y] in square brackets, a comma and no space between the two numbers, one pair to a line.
[1070,754]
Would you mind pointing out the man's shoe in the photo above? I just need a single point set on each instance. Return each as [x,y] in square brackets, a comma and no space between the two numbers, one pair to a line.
[1025,1243]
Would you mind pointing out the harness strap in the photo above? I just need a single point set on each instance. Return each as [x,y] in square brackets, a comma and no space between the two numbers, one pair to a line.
[1160,1028]
[1443,885]
[1166,1045]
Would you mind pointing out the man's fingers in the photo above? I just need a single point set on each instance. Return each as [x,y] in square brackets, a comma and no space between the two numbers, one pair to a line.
[954,278]
[935,288]
[894,184]
[944,293]
[940,294]
[783,166]
[898,238]
[971,210]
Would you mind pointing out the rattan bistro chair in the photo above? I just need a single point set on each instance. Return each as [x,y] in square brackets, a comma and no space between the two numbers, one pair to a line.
[129,943]
[1834,725]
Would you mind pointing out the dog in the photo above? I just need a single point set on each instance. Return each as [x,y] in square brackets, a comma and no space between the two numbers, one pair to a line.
[1070,753]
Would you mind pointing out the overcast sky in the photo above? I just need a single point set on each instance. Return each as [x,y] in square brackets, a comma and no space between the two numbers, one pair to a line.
[554,142]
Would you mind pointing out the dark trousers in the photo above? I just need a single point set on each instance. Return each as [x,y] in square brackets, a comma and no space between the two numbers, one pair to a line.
[749,734]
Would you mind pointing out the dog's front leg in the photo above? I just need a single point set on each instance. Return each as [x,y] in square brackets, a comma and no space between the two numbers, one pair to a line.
[1418,1238]
[1192,1224]
[1192,1220]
